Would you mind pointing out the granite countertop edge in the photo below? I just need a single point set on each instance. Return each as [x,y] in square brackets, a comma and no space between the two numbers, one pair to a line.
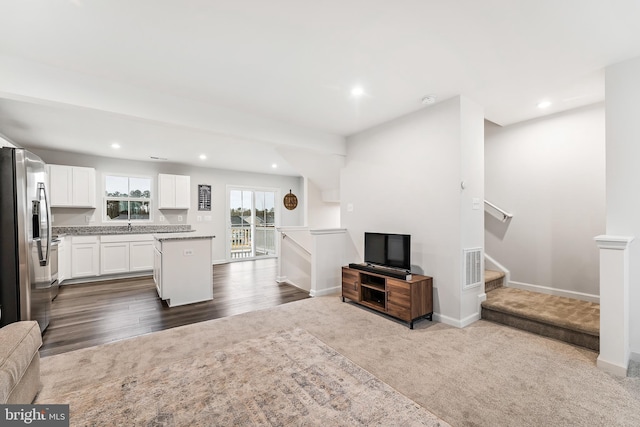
[182,236]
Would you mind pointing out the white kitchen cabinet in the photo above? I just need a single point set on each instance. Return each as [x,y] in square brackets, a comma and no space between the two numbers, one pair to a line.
[72,186]
[126,253]
[141,255]
[114,258]
[174,191]
[157,270]
[84,187]
[64,259]
[85,256]
[60,183]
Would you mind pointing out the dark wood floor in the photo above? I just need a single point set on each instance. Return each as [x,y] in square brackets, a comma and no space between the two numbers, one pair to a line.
[84,315]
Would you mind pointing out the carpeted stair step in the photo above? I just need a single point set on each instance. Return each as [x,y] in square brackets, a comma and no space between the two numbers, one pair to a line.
[493,279]
[574,321]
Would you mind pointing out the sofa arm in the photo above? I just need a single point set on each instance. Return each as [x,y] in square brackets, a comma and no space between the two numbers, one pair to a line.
[19,362]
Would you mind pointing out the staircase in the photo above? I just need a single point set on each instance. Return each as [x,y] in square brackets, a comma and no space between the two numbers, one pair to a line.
[570,320]
[492,280]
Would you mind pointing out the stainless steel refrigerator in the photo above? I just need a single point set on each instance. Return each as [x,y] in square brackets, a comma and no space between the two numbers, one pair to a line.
[25,238]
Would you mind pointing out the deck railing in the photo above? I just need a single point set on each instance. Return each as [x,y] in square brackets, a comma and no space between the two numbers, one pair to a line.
[241,242]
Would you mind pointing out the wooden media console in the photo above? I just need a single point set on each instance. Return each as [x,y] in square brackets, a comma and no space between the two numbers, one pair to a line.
[407,300]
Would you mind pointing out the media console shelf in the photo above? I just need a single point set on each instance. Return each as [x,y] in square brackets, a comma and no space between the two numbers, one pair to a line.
[407,300]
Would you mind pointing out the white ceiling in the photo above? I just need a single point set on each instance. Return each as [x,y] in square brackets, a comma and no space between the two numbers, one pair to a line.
[244,81]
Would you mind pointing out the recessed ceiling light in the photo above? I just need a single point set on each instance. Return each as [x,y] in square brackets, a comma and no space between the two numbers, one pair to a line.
[115,145]
[274,166]
[544,104]
[357,91]
[203,157]
[429,99]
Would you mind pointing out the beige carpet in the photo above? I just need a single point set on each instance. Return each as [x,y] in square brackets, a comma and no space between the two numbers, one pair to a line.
[484,375]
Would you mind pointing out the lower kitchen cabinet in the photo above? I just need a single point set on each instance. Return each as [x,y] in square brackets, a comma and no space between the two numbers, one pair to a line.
[64,259]
[157,269]
[114,258]
[85,256]
[126,253]
[90,256]
[141,255]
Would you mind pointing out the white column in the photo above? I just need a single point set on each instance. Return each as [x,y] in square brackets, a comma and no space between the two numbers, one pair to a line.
[614,303]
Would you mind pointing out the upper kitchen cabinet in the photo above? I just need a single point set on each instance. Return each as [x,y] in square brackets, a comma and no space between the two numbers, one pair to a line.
[72,186]
[174,191]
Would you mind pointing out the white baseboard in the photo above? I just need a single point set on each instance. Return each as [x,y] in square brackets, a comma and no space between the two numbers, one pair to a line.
[470,319]
[437,317]
[482,298]
[281,279]
[612,368]
[455,322]
[220,261]
[323,292]
[553,291]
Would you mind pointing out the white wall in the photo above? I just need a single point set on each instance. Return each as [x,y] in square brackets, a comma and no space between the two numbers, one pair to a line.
[550,174]
[217,178]
[404,177]
[326,261]
[623,174]
[320,213]
[471,220]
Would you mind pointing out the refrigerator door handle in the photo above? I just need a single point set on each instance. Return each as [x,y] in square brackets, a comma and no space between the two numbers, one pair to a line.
[43,255]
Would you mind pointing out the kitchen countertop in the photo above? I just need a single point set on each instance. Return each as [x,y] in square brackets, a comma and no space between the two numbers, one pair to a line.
[182,236]
[104,230]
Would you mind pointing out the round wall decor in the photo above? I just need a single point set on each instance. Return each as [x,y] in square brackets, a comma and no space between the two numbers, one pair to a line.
[290,201]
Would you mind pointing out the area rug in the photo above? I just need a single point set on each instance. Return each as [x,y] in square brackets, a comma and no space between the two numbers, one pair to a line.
[285,378]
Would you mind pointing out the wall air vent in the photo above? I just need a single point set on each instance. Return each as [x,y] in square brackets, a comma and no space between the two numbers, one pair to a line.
[472,268]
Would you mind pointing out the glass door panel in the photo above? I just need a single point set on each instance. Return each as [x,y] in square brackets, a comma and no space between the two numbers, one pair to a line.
[252,223]
[265,228]
[241,209]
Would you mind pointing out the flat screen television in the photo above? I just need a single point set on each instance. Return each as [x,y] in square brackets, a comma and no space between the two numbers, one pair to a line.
[388,250]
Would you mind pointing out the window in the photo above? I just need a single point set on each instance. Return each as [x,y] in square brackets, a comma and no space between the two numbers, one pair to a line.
[127,198]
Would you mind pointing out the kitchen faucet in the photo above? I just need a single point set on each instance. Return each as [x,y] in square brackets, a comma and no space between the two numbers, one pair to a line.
[129,226]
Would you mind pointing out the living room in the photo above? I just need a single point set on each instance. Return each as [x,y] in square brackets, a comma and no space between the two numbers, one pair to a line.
[415,168]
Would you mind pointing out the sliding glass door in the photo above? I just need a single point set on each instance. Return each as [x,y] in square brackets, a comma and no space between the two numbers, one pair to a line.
[251,231]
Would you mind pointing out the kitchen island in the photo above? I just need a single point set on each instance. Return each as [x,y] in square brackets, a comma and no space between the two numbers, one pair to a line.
[183,267]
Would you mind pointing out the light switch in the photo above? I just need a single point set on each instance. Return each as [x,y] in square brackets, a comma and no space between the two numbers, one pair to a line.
[187,252]
[207,217]
[199,218]
[161,218]
[179,218]
[349,207]
[476,203]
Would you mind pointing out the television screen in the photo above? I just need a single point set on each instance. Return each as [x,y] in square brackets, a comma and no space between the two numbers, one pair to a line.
[390,250]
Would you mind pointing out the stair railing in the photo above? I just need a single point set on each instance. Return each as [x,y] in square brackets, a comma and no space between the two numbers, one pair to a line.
[502,215]
[298,244]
